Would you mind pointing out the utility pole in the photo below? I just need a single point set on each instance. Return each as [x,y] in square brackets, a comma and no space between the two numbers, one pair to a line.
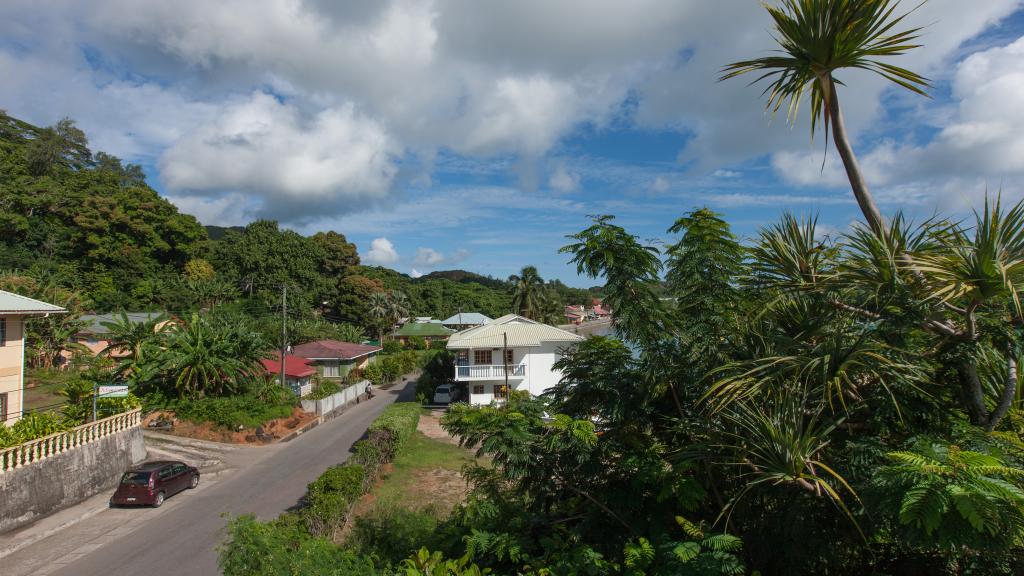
[284,329]
[504,359]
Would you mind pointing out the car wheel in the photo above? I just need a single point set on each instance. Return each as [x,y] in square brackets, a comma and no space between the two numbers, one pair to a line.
[159,500]
[193,482]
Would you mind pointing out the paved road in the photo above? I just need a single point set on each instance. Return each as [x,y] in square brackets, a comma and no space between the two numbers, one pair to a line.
[181,537]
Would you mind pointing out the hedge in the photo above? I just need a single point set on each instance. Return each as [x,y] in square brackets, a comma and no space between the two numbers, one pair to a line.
[330,498]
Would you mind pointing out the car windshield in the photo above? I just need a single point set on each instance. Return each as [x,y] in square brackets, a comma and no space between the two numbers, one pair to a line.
[136,478]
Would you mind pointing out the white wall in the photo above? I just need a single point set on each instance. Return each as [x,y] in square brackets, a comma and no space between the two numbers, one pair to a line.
[540,376]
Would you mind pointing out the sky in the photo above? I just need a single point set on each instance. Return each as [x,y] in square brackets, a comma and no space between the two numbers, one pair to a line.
[477,134]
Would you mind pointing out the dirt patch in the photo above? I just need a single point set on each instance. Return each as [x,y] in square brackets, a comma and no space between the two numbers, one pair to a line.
[438,487]
[430,426]
[271,432]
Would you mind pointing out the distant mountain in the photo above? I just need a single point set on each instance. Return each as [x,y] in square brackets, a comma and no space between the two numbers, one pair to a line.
[464,277]
[218,232]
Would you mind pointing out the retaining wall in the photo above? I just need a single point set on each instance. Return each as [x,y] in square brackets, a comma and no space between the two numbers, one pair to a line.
[45,486]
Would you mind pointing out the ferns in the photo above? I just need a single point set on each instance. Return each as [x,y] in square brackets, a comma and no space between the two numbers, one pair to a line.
[951,497]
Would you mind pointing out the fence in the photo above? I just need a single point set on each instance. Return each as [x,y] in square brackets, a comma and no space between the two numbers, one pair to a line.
[337,400]
[42,448]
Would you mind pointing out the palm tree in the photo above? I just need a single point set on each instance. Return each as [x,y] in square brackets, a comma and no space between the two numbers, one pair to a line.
[817,38]
[380,311]
[204,358]
[130,341]
[398,306]
[527,293]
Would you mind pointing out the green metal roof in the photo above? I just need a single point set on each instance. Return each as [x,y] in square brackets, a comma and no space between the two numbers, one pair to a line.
[423,329]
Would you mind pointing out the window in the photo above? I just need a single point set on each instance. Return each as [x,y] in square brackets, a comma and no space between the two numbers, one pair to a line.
[481,356]
[478,389]
[165,473]
[331,370]
[3,409]
[463,357]
[508,357]
[500,391]
[3,331]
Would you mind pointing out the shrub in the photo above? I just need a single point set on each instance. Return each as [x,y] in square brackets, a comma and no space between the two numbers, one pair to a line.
[233,411]
[282,546]
[416,343]
[391,534]
[354,376]
[324,388]
[398,421]
[30,427]
[392,347]
[329,498]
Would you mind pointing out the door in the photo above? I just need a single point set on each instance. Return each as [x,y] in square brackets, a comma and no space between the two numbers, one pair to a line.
[179,472]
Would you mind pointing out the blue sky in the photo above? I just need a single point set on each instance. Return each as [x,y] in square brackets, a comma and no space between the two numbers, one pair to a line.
[438,134]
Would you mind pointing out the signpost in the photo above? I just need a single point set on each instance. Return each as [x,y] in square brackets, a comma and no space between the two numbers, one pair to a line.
[107,391]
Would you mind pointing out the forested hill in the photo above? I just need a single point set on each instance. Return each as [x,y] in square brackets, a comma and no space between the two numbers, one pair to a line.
[86,219]
[88,222]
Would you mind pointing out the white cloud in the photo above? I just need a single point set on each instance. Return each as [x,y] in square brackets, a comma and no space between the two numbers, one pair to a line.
[660,184]
[369,88]
[562,180]
[428,257]
[722,173]
[381,253]
[259,144]
[415,273]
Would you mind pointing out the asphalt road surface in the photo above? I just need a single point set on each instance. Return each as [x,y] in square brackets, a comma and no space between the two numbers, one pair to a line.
[183,540]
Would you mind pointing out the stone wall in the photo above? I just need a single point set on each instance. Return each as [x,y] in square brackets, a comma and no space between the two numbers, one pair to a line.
[44,487]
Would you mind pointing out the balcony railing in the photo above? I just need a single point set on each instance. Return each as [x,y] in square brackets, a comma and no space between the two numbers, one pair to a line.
[489,371]
[42,448]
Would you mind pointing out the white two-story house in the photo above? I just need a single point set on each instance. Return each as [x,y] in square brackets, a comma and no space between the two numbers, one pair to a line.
[523,349]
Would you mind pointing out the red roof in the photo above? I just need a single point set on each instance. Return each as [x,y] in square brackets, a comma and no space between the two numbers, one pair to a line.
[601,311]
[333,349]
[294,367]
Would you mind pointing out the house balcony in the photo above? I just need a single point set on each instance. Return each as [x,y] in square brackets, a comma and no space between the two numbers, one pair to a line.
[489,372]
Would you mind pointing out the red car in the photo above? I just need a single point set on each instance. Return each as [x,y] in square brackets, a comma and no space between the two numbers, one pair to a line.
[153,482]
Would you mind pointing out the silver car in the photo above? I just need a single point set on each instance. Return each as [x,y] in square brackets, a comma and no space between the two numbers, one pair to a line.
[443,394]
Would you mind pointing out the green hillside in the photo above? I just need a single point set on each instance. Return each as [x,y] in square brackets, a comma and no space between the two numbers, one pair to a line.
[87,223]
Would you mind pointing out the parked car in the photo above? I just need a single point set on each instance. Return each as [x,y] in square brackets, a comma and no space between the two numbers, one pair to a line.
[153,482]
[443,394]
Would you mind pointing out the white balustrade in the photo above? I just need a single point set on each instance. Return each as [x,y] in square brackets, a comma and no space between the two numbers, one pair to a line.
[42,448]
[489,371]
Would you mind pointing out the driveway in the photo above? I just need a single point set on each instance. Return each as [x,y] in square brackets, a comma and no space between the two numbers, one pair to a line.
[181,537]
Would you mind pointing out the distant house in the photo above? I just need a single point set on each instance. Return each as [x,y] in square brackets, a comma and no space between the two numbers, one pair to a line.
[93,334]
[14,310]
[428,329]
[575,314]
[464,320]
[298,372]
[510,349]
[600,311]
[334,359]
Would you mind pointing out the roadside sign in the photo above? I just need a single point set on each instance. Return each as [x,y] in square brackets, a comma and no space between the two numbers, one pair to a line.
[112,391]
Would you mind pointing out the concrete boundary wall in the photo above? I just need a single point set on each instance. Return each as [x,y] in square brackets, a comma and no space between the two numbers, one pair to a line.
[335,402]
[45,486]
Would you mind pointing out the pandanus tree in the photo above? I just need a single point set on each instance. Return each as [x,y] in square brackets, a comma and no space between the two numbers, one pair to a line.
[817,38]
[946,276]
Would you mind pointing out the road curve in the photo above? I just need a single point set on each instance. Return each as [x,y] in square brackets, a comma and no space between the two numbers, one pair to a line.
[183,541]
